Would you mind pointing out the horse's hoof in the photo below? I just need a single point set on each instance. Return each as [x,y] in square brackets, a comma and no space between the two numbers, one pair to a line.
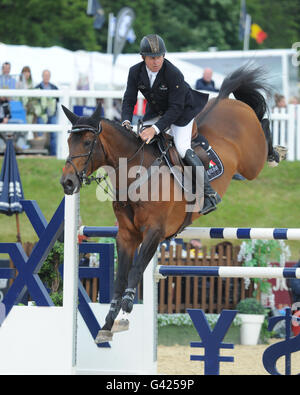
[282,152]
[120,325]
[121,322]
[103,336]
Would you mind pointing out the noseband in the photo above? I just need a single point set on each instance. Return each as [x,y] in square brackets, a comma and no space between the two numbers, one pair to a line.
[81,175]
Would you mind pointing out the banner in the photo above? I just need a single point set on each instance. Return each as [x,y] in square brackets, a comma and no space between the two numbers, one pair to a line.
[124,22]
[95,9]
[242,24]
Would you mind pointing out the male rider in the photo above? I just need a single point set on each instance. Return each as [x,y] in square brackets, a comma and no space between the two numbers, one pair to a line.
[171,104]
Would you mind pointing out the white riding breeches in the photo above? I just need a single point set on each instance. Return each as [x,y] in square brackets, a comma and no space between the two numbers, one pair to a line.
[181,134]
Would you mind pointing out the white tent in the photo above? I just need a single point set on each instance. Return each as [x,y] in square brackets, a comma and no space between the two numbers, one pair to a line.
[68,67]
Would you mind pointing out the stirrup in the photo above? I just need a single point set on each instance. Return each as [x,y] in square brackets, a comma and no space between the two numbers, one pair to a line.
[214,199]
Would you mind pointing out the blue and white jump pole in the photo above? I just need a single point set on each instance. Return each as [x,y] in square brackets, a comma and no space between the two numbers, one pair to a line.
[221,233]
[213,233]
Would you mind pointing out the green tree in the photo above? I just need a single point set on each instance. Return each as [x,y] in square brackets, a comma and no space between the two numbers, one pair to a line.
[47,23]
[196,25]
[199,25]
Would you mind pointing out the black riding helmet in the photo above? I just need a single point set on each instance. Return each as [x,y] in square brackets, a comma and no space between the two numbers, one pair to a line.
[152,45]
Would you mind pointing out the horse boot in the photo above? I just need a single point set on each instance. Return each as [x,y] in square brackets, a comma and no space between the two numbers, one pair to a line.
[121,322]
[106,334]
[211,197]
[127,300]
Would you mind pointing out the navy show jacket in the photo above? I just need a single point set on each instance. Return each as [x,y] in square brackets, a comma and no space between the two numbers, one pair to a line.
[170,97]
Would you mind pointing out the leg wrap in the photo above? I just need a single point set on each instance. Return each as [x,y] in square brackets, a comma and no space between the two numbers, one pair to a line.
[115,307]
[127,300]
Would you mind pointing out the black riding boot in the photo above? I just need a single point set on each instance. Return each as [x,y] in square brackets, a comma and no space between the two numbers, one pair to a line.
[211,197]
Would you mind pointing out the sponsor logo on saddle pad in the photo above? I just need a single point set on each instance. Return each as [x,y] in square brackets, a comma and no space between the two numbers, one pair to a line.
[216,168]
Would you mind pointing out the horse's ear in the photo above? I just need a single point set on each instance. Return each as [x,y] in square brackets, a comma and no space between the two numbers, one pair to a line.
[73,118]
[97,113]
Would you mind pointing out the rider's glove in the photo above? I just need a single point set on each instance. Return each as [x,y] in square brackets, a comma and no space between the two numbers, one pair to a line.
[127,125]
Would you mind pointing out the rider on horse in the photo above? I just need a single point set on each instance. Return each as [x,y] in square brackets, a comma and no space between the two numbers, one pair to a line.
[171,104]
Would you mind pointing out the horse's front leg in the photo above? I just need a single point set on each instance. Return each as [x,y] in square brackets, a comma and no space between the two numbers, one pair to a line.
[126,250]
[147,250]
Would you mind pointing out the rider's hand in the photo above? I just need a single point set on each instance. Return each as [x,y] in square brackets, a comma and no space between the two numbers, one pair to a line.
[147,134]
[127,125]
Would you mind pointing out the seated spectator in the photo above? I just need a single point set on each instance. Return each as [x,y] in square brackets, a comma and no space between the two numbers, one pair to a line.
[4,117]
[294,100]
[206,83]
[280,101]
[48,109]
[4,110]
[6,80]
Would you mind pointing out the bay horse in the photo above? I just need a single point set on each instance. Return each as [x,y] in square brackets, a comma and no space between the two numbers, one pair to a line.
[234,128]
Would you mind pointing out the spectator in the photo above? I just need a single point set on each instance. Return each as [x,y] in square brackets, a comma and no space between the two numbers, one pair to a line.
[6,80]
[206,83]
[25,80]
[280,101]
[196,243]
[30,103]
[48,109]
[294,285]
[4,117]
[117,108]
[4,110]
[294,100]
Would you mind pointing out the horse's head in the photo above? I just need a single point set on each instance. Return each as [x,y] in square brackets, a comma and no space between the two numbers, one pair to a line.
[84,149]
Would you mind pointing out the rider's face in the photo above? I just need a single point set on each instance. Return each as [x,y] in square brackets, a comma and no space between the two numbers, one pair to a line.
[154,63]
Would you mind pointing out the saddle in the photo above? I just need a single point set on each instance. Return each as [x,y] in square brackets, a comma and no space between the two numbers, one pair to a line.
[212,163]
[199,144]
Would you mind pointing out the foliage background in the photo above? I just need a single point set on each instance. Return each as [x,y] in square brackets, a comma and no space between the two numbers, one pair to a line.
[195,25]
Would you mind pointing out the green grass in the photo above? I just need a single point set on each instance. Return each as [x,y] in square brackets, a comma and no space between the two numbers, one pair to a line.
[272,200]
[183,335]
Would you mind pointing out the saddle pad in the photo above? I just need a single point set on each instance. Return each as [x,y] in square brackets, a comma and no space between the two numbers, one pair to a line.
[216,168]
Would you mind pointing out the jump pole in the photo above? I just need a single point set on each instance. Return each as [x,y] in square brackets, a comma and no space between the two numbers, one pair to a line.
[242,233]
[214,233]
[228,271]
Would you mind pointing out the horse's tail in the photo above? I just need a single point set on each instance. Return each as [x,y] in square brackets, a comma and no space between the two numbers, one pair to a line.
[247,85]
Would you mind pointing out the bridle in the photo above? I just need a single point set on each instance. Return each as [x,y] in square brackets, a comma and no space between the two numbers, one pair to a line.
[81,175]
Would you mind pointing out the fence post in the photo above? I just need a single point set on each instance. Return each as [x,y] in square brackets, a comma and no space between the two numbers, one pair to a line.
[62,146]
[298,132]
[291,123]
[70,282]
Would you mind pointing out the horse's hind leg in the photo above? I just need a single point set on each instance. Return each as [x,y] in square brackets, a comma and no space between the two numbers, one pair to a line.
[275,154]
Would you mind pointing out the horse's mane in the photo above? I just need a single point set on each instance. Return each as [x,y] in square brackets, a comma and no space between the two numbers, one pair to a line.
[125,132]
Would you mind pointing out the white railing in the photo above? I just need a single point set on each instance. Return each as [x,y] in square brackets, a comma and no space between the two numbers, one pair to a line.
[285,127]
[285,123]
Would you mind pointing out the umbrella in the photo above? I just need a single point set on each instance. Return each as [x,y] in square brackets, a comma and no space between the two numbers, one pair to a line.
[11,191]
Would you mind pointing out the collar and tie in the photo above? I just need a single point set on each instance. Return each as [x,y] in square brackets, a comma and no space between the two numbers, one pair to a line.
[151,76]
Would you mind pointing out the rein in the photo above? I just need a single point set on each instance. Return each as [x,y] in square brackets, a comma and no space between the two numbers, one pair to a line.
[81,175]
